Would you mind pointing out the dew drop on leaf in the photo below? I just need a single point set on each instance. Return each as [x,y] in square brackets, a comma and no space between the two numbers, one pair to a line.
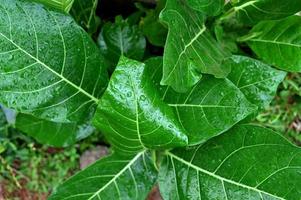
[142,97]
[129,94]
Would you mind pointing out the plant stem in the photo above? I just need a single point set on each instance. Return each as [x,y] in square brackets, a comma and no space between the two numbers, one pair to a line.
[11,171]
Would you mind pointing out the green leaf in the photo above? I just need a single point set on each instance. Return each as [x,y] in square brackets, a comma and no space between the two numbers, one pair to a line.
[63,5]
[278,42]
[49,66]
[190,49]
[248,162]
[258,81]
[154,31]
[114,177]
[227,33]
[210,108]
[209,7]
[253,11]
[84,13]
[132,115]
[120,38]
[52,133]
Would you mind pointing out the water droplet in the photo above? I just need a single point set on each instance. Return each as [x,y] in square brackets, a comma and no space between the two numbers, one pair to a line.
[10,57]
[129,94]
[142,97]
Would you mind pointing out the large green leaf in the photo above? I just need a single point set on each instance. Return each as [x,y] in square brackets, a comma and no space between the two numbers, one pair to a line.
[278,42]
[190,49]
[248,162]
[84,13]
[63,5]
[49,66]
[258,81]
[210,108]
[121,38]
[114,177]
[253,11]
[52,133]
[132,115]
[209,7]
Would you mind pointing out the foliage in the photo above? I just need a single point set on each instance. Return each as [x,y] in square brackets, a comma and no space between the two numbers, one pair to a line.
[36,168]
[283,114]
[183,119]
[63,5]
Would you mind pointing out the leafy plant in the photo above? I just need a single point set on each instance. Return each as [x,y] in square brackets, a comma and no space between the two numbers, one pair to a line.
[183,119]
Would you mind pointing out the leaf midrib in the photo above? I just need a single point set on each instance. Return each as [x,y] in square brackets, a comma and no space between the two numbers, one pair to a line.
[219,177]
[243,6]
[276,42]
[204,106]
[51,70]
[117,175]
[201,31]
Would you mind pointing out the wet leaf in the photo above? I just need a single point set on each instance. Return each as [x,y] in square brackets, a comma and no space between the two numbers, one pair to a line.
[62,5]
[209,7]
[258,81]
[53,133]
[210,108]
[254,11]
[114,177]
[190,49]
[248,162]
[54,72]
[132,115]
[282,39]
[121,38]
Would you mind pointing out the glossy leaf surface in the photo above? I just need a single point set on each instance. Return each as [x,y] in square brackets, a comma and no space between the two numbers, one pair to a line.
[258,81]
[52,133]
[63,5]
[132,115]
[209,7]
[54,72]
[84,13]
[248,162]
[113,177]
[121,38]
[210,108]
[190,49]
[253,11]
[278,42]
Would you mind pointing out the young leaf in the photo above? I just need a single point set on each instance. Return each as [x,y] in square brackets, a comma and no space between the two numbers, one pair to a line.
[248,162]
[282,39]
[121,38]
[253,11]
[114,177]
[49,65]
[210,108]
[63,5]
[258,81]
[84,13]
[154,31]
[52,133]
[209,7]
[190,49]
[132,115]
